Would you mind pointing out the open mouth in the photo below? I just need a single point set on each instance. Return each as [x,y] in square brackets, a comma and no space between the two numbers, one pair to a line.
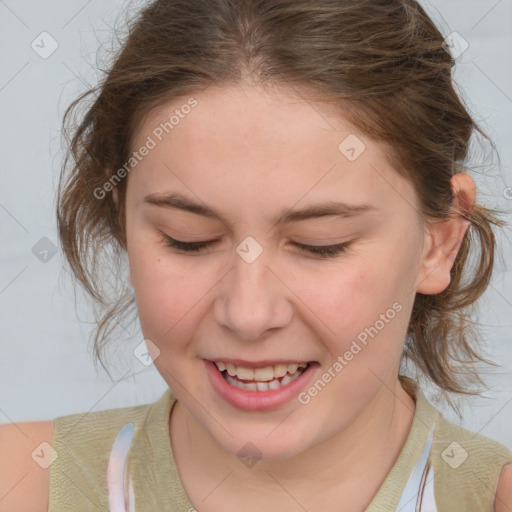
[268,378]
[263,388]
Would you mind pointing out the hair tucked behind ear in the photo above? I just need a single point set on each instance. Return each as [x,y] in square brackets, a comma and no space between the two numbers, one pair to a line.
[443,339]
[380,62]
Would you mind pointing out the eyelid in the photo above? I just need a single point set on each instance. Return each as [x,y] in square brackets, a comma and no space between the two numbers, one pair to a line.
[325,251]
[322,251]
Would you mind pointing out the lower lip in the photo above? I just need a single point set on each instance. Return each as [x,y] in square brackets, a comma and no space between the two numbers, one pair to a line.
[257,400]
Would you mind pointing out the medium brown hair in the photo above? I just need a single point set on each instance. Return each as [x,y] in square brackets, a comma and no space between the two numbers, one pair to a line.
[380,62]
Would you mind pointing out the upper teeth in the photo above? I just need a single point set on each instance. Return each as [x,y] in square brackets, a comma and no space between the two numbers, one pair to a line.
[265,374]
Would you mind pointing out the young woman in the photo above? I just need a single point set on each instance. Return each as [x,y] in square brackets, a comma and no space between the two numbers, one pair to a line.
[287,180]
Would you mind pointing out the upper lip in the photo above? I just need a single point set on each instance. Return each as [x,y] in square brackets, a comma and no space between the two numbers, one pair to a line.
[257,364]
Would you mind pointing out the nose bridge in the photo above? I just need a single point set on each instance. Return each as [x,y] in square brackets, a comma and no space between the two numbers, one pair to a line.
[252,297]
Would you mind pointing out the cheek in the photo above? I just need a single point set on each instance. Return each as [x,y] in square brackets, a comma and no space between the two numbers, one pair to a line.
[347,296]
[166,292]
[365,302]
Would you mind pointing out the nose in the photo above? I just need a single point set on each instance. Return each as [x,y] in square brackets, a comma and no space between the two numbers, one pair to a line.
[253,298]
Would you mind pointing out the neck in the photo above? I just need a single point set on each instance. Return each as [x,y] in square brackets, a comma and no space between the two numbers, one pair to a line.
[354,461]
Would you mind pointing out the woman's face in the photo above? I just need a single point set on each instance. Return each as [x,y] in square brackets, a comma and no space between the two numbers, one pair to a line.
[260,168]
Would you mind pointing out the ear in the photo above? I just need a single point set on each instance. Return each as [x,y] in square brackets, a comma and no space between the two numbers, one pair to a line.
[444,238]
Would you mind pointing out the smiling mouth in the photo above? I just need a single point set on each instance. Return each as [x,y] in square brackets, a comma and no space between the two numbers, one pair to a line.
[267,378]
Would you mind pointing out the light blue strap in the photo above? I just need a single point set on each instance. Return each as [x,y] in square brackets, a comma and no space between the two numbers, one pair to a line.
[428,502]
[413,488]
[119,498]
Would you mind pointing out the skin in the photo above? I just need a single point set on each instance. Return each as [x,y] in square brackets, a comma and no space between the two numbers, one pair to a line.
[249,153]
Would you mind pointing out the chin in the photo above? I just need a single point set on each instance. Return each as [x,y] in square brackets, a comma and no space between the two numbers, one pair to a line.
[260,447]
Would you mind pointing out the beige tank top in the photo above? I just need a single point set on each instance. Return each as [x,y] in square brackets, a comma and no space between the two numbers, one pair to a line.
[121,460]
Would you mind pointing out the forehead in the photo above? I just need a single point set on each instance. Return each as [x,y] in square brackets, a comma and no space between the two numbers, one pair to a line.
[262,148]
[249,116]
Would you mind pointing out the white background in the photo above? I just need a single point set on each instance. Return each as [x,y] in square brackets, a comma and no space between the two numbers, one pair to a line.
[46,368]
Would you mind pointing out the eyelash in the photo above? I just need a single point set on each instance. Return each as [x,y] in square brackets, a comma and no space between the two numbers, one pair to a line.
[326,251]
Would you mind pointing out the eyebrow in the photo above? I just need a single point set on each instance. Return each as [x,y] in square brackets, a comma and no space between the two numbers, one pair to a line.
[286,216]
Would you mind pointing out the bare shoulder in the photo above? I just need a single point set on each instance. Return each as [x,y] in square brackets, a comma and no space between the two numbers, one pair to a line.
[25,450]
[503,501]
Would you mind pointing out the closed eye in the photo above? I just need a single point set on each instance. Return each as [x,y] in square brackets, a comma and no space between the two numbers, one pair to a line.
[325,251]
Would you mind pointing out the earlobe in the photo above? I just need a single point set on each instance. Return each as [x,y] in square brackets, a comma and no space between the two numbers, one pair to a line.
[444,238]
